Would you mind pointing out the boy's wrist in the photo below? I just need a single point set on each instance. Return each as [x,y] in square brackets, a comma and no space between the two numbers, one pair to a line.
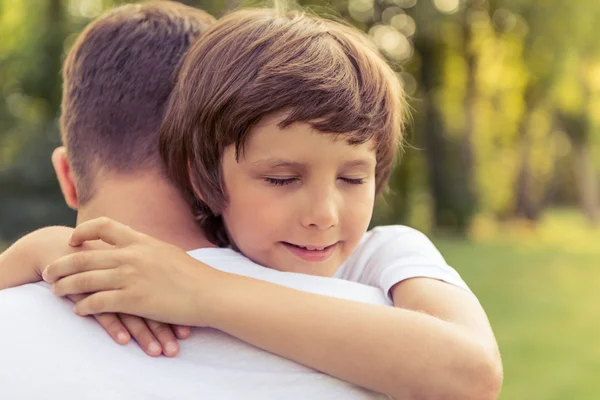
[212,301]
[224,296]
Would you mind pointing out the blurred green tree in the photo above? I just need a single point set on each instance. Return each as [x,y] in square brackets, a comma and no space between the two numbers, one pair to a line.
[505,97]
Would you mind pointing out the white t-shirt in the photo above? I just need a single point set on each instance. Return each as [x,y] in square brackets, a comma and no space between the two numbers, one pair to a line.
[390,254]
[50,353]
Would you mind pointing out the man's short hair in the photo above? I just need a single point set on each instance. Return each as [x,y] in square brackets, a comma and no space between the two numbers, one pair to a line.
[117,79]
[254,63]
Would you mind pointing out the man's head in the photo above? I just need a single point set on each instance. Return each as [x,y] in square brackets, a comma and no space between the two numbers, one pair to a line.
[117,79]
[252,79]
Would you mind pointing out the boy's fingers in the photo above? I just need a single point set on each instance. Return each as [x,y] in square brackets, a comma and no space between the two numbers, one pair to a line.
[110,322]
[165,336]
[105,229]
[182,331]
[87,282]
[76,297]
[115,328]
[142,334]
[80,262]
[99,303]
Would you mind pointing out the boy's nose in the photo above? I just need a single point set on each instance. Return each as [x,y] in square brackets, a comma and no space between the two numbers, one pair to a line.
[321,212]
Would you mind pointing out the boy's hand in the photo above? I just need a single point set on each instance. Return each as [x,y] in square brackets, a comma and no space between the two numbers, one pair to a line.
[23,263]
[140,275]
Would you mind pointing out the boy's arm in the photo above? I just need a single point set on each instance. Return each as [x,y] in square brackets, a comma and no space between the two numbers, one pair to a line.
[22,263]
[407,353]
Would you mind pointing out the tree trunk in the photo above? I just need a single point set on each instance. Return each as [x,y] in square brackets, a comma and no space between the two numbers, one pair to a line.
[470,101]
[525,205]
[587,183]
[577,128]
[432,129]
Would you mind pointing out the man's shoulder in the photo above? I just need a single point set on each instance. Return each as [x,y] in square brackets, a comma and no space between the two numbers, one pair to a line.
[230,261]
[29,293]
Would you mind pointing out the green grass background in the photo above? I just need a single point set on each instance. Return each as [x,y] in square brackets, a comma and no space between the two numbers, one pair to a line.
[540,288]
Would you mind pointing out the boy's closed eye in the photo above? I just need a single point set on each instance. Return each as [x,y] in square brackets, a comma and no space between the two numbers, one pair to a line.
[287,181]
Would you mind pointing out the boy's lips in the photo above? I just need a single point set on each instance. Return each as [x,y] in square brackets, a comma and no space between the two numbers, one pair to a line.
[311,253]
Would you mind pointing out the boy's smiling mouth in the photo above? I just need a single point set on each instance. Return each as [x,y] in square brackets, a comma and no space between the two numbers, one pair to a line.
[311,253]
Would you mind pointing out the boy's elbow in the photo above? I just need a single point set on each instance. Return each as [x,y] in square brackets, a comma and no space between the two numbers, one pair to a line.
[496,377]
[490,378]
[483,382]
[480,380]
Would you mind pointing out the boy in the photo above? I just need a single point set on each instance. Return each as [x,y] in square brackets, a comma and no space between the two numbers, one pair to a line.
[281,145]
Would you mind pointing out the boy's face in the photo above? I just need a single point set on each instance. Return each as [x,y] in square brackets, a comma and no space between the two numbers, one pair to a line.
[296,190]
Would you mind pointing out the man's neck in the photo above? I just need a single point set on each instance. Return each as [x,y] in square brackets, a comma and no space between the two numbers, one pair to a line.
[149,204]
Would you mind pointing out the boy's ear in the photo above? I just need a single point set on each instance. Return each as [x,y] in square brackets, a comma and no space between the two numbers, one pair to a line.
[65,176]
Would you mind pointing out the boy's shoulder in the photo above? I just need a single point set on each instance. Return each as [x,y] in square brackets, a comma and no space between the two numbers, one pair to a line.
[391,235]
[388,254]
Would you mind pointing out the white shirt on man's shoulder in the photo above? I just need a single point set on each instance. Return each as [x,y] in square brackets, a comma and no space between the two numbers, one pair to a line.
[50,353]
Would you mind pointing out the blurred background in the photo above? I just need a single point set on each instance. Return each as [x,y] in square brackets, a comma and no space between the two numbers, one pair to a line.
[501,166]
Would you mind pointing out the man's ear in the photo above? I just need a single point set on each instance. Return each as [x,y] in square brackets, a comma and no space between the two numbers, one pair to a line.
[65,176]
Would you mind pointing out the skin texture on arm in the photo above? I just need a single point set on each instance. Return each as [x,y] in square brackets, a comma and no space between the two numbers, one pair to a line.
[436,345]
[405,353]
[23,262]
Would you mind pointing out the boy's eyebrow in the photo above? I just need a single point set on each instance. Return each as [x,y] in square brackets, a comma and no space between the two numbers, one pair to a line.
[278,163]
[359,163]
[281,163]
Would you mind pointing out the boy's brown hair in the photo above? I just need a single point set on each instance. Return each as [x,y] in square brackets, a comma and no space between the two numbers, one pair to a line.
[117,80]
[254,63]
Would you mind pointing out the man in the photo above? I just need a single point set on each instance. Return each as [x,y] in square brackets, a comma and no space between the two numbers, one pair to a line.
[117,79]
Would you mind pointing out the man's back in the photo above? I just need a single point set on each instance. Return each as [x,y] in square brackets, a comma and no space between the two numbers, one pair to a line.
[51,353]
